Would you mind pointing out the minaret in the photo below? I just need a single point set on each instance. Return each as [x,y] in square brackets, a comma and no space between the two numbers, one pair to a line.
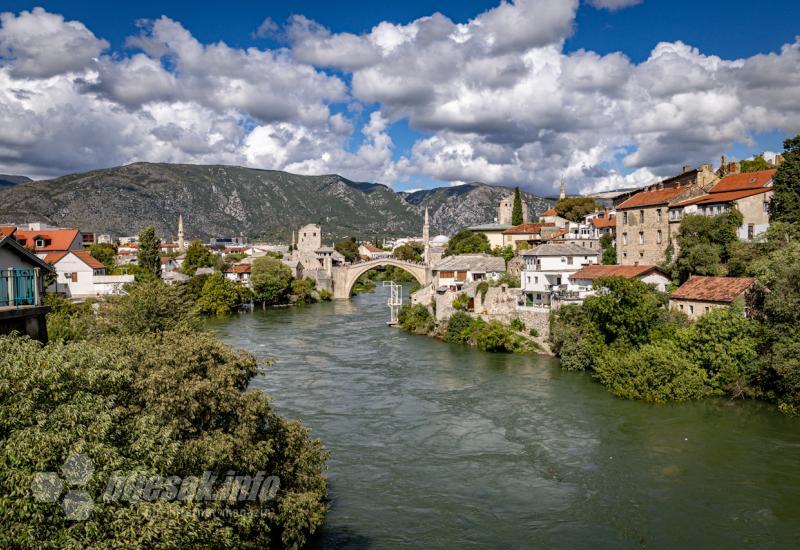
[563,192]
[180,232]
[426,237]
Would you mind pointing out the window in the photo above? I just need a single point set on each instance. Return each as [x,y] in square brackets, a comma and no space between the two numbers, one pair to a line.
[624,218]
[641,237]
[625,238]
[658,236]
[39,243]
[569,260]
[751,231]
[641,216]
[766,206]
[691,310]
[74,277]
[624,254]
[658,214]
[708,308]
[641,254]
[536,279]
[681,306]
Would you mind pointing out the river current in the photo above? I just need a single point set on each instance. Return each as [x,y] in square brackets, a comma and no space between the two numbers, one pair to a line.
[439,446]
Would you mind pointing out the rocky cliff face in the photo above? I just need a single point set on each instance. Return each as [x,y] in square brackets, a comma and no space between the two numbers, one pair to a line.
[231,200]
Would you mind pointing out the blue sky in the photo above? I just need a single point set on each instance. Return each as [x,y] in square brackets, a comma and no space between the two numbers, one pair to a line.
[714,28]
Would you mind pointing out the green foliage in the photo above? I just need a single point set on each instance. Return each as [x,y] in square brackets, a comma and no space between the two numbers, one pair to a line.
[271,280]
[482,289]
[458,328]
[575,338]
[148,255]
[609,250]
[410,252]
[467,242]
[461,302]
[347,248]
[496,337]
[506,278]
[303,289]
[67,321]
[705,242]
[505,252]
[656,373]
[576,208]
[219,296]
[104,253]
[150,306]
[197,256]
[533,332]
[624,309]
[171,404]
[756,164]
[516,211]
[517,325]
[785,206]
[416,319]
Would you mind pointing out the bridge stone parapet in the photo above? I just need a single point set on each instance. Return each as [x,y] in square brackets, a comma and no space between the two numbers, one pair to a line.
[344,277]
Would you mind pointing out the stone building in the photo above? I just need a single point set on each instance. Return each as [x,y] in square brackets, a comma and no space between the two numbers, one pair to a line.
[643,229]
[700,295]
[309,238]
[505,211]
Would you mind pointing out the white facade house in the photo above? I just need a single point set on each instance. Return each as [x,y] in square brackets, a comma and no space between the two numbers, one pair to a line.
[545,277]
[453,272]
[369,251]
[78,274]
[239,273]
[583,281]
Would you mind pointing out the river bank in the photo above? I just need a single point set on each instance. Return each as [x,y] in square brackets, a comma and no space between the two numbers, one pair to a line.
[437,444]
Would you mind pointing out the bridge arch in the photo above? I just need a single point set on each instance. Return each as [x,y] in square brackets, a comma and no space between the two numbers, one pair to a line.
[346,276]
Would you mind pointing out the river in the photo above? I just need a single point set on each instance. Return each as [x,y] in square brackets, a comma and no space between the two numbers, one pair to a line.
[436,445]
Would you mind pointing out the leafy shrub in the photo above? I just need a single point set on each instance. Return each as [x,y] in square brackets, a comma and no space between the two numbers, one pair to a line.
[518,325]
[271,280]
[461,302]
[221,296]
[533,332]
[416,319]
[303,289]
[458,328]
[655,373]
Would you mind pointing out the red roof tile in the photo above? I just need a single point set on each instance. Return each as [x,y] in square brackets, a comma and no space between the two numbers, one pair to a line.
[592,272]
[5,231]
[713,289]
[550,212]
[746,180]
[727,196]
[652,198]
[60,239]
[238,268]
[611,221]
[54,257]
[533,228]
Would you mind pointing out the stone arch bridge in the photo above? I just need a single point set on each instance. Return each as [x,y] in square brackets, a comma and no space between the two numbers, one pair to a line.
[344,277]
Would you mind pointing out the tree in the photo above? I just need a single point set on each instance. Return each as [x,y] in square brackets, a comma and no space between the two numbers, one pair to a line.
[505,252]
[516,212]
[785,206]
[705,242]
[148,255]
[755,164]
[347,248]
[416,318]
[467,242]
[149,306]
[576,208]
[624,310]
[304,290]
[271,280]
[197,256]
[220,296]
[104,253]
[409,252]
[609,250]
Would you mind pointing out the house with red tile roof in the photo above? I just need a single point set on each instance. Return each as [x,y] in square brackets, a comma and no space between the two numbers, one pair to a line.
[47,241]
[650,274]
[748,192]
[532,233]
[79,274]
[239,273]
[21,289]
[643,228]
[699,295]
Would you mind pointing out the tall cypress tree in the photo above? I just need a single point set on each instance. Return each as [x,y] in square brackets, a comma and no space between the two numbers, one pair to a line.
[516,213]
[148,254]
[785,205]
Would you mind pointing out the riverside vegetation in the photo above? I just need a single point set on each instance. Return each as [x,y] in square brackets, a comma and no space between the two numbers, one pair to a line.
[135,385]
[639,349]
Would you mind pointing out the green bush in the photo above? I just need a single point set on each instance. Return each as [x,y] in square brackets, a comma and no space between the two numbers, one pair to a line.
[416,319]
[271,280]
[518,325]
[656,373]
[533,332]
[461,302]
[220,296]
[303,289]
[458,328]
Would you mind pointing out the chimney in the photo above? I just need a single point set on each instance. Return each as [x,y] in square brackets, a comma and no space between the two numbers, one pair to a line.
[686,168]
[778,160]
[734,168]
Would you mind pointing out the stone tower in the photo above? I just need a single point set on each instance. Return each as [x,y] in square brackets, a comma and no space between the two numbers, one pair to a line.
[180,233]
[505,212]
[426,238]
[309,238]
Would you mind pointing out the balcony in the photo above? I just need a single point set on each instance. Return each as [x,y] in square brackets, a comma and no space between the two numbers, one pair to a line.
[19,287]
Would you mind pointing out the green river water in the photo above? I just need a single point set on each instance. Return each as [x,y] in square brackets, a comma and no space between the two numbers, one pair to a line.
[439,446]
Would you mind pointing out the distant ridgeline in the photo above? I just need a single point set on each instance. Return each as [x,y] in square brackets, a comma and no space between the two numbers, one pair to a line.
[229,200]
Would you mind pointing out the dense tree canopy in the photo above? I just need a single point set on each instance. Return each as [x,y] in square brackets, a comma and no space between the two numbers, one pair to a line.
[516,211]
[104,253]
[148,255]
[271,280]
[785,205]
[347,248]
[197,256]
[756,164]
[410,252]
[705,243]
[609,250]
[576,208]
[467,242]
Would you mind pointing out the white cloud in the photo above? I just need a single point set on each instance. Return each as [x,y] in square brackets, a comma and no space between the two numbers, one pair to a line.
[613,5]
[497,98]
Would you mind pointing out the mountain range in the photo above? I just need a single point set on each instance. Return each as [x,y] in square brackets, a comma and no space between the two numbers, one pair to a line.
[218,200]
